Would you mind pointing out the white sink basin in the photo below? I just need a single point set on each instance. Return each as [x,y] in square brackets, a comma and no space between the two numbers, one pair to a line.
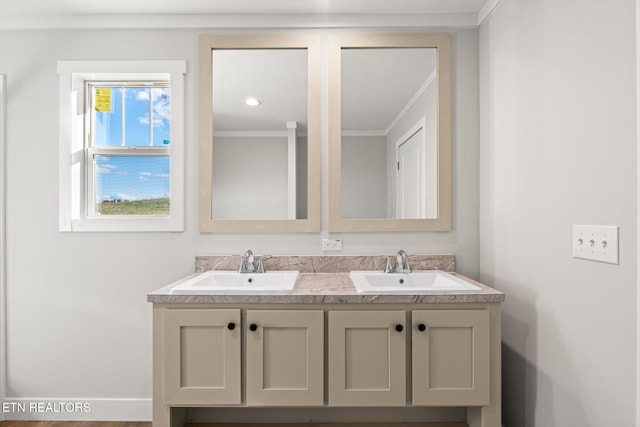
[225,282]
[417,282]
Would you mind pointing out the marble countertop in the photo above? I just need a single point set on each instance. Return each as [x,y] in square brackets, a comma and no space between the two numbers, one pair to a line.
[326,288]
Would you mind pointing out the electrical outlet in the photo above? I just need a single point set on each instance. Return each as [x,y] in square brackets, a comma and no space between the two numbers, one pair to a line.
[596,242]
[331,244]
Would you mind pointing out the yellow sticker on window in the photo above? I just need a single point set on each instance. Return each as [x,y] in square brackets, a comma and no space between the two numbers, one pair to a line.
[103,100]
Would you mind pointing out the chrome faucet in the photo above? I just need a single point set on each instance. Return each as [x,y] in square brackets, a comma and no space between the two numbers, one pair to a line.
[402,263]
[248,263]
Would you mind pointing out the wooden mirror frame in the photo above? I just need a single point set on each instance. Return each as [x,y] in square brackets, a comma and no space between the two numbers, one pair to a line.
[440,41]
[208,43]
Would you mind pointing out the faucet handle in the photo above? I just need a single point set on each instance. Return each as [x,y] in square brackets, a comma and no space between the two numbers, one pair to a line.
[243,265]
[260,264]
[406,268]
[388,268]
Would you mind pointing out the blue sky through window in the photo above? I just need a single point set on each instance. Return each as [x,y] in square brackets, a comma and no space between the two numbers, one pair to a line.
[133,177]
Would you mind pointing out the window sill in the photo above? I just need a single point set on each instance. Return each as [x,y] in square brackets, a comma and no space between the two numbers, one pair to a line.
[130,224]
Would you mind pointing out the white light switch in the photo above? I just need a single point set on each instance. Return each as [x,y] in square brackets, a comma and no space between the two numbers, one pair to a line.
[596,242]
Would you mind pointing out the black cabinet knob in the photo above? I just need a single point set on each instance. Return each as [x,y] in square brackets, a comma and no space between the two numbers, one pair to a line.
[422,327]
[253,327]
[231,326]
[399,328]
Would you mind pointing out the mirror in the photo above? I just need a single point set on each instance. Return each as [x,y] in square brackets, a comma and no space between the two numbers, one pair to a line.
[259,134]
[390,133]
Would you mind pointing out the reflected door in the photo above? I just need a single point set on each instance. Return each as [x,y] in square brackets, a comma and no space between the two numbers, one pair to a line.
[411,194]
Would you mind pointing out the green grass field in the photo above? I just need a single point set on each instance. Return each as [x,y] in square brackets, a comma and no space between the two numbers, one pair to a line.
[134,207]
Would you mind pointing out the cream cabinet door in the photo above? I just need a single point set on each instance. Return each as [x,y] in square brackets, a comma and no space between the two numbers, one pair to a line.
[285,357]
[367,358]
[202,364]
[451,360]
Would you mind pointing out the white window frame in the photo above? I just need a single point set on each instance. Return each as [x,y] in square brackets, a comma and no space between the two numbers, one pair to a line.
[75,173]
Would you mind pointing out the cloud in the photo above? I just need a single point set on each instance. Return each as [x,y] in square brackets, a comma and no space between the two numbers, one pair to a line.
[146,175]
[122,196]
[161,107]
[117,196]
[142,94]
[143,120]
[105,168]
[158,122]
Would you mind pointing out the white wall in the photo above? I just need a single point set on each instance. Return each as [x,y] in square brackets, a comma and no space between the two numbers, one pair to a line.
[79,325]
[558,147]
[364,178]
[3,319]
[250,178]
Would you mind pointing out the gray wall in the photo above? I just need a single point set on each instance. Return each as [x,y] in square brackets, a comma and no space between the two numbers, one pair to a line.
[250,177]
[364,177]
[79,324]
[558,147]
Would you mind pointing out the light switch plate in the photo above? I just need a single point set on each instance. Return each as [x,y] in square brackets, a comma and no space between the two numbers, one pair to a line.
[596,242]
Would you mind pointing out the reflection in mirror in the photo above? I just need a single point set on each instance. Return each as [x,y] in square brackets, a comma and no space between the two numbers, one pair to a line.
[259,134]
[389,133]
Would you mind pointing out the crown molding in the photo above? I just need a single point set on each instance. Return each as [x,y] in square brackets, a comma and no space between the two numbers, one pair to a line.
[235,21]
[233,14]
[486,10]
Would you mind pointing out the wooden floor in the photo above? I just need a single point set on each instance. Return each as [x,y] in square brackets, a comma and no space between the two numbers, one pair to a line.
[328,425]
[146,424]
[73,424]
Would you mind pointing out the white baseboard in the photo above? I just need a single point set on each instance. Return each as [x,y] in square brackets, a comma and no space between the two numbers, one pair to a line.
[76,409]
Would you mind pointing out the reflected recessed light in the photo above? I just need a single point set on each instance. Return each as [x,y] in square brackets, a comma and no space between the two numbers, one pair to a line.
[252,102]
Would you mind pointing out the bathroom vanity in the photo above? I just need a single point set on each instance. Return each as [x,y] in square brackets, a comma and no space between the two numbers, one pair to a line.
[428,357]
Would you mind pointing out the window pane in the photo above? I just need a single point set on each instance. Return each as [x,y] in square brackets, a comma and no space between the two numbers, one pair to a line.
[161,97]
[136,117]
[108,109]
[131,185]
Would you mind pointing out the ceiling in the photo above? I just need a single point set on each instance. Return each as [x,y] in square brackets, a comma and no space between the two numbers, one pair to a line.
[239,14]
[40,7]
[17,14]
[377,84]
[277,77]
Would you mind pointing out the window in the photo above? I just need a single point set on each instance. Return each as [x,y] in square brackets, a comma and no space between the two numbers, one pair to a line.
[121,148]
[128,148]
